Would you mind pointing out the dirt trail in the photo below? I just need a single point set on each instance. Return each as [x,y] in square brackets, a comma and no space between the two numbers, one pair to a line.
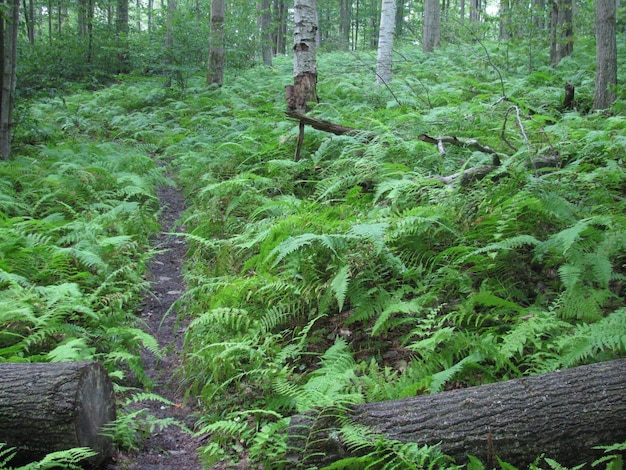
[170,448]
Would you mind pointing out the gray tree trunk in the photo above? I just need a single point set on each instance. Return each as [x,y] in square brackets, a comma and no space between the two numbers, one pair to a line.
[9,25]
[48,407]
[215,68]
[562,34]
[432,26]
[505,20]
[562,414]
[384,59]
[121,30]
[266,33]
[606,54]
[474,10]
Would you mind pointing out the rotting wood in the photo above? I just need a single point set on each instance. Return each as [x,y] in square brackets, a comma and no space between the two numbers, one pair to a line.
[54,406]
[561,414]
[568,100]
[326,126]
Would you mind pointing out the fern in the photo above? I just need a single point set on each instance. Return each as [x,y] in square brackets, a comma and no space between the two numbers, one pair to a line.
[601,340]
[339,285]
[70,458]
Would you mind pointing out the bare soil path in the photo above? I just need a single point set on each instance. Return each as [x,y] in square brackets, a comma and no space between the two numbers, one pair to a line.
[170,448]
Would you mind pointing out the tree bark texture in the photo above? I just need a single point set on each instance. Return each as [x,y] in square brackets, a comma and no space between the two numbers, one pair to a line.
[121,30]
[432,26]
[280,26]
[9,24]
[48,407]
[385,41]
[305,59]
[215,70]
[561,414]
[562,34]
[606,54]
[266,32]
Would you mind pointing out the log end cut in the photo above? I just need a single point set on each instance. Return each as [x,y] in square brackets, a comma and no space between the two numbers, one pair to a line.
[96,408]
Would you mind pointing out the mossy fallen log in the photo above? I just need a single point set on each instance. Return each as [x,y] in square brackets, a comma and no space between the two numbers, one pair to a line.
[48,407]
[561,414]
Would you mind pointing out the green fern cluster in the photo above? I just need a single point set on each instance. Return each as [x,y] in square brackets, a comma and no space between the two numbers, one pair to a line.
[358,252]
[74,239]
[354,274]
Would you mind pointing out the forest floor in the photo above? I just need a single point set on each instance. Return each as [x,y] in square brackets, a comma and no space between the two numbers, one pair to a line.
[171,448]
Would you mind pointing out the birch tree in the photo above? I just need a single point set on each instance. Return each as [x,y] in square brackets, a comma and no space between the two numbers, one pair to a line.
[304,88]
[385,41]
[606,54]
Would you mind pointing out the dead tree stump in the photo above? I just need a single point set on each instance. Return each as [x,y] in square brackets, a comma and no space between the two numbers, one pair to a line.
[47,407]
[562,414]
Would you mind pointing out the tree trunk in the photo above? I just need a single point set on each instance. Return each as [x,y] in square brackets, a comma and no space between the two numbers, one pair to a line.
[29,18]
[432,26]
[169,39]
[385,41]
[505,20]
[266,33]
[305,60]
[561,414]
[344,24]
[150,17]
[48,407]
[606,54]
[90,11]
[9,25]
[474,10]
[122,29]
[280,27]
[215,70]
[562,33]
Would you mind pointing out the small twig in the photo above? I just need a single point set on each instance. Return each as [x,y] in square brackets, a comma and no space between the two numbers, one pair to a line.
[381,80]
[470,143]
[300,141]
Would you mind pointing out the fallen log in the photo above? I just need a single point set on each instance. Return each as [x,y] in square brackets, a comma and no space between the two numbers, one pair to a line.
[323,125]
[560,414]
[48,407]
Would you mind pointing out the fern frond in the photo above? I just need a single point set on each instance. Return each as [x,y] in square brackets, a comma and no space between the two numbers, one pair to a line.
[74,349]
[292,244]
[339,285]
[70,459]
[603,339]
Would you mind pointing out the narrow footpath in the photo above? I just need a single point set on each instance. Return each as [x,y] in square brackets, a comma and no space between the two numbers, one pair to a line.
[170,448]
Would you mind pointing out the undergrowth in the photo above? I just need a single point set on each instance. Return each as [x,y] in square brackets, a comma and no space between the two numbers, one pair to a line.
[353,274]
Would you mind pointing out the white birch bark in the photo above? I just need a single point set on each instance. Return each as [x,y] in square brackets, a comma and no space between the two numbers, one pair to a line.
[304,37]
[305,61]
[385,41]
